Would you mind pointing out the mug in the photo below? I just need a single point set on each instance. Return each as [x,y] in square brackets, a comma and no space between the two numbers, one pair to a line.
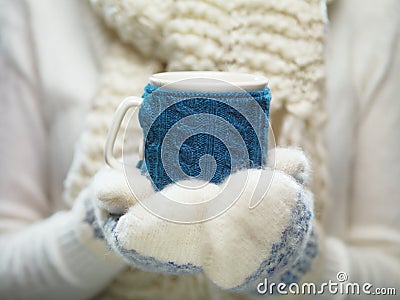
[203,125]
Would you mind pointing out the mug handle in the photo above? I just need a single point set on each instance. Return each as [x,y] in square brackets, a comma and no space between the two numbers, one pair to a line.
[120,113]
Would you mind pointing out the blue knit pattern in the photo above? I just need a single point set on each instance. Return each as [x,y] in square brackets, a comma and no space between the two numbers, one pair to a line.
[90,219]
[229,127]
[289,258]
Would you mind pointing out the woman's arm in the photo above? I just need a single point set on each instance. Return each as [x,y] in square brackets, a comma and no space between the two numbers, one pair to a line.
[363,100]
[375,192]
[42,256]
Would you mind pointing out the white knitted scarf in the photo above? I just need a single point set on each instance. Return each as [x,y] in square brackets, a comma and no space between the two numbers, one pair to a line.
[282,39]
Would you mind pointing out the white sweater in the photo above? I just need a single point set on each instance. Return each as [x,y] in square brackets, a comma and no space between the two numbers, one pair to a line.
[49,71]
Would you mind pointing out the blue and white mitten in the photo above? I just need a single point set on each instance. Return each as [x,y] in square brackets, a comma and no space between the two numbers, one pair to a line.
[239,249]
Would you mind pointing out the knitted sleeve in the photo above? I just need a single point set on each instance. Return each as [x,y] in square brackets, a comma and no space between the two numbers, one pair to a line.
[375,190]
[363,64]
[41,256]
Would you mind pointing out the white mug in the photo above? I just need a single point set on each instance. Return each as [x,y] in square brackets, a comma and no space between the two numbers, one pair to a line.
[190,82]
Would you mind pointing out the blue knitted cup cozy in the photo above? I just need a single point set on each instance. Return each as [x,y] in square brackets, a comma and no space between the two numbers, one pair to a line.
[203,135]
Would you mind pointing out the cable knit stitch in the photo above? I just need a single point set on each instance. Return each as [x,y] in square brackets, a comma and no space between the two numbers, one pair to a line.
[279,38]
[245,119]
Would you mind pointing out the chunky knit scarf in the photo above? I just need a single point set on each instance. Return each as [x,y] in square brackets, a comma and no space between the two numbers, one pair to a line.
[281,39]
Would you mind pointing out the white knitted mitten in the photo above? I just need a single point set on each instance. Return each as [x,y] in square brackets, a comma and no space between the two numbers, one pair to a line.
[87,228]
[238,249]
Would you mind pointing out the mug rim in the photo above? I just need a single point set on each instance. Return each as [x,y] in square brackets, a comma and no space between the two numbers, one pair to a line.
[211,81]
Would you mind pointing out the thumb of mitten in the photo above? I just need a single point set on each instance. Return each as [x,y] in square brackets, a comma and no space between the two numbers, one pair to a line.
[291,161]
[113,193]
[89,232]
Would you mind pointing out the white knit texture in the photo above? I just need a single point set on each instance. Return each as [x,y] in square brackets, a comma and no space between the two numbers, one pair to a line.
[125,74]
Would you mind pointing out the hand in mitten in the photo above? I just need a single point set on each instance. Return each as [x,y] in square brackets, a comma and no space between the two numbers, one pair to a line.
[239,248]
[88,230]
